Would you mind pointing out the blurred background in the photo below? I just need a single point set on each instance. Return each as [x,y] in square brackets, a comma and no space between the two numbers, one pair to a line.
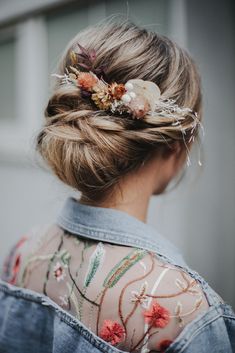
[199,215]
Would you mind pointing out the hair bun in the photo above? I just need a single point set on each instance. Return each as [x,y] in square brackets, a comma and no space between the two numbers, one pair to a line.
[90,149]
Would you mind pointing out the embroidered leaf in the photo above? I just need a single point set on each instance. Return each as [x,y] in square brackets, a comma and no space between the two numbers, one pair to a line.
[178,308]
[94,262]
[73,299]
[180,284]
[65,257]
[143,265]
[181,321]
[193,291]
[122,266]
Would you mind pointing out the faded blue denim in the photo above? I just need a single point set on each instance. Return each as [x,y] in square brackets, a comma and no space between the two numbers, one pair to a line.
[32,323]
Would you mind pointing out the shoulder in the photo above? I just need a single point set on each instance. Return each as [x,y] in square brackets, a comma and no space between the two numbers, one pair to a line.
[26,245]
[212,331]
[155,302]
[144,302]
[128,296]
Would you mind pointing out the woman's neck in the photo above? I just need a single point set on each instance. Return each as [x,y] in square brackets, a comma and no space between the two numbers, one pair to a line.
[133,199]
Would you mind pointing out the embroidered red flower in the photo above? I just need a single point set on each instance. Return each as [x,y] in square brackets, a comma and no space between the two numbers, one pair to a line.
[164,344]
[157,316]
[17,260]
[112,332]
[15,269]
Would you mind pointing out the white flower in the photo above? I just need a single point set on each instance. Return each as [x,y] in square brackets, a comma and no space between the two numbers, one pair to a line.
[132,94]
[126,98]
[146,89]
[63,300]
[129,86]
[140,297]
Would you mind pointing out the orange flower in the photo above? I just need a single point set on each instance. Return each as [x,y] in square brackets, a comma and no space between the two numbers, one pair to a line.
[116,90]
[112,332]
[157,316]
[86,80]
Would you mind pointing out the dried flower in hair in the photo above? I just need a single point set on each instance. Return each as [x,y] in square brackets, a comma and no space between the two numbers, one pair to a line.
[146,89]
[73,57]
[137,97]
[102,99]
[86,80]
[86,59]
[139,106]
[116,90]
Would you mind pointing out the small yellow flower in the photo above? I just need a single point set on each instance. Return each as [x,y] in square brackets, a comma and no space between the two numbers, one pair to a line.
[73,57]
[102,99]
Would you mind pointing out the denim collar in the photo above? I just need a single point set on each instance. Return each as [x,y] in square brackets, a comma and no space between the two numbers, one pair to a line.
[114,226]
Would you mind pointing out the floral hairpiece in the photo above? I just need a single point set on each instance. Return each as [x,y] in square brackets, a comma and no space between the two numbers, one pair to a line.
[136,98]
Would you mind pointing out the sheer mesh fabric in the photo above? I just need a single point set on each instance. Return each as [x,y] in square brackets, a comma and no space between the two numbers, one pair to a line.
[127,296]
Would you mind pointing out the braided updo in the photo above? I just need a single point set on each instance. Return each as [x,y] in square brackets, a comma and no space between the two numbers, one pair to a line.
[91,150]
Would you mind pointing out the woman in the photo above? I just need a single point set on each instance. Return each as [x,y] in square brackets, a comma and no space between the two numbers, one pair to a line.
[120,123]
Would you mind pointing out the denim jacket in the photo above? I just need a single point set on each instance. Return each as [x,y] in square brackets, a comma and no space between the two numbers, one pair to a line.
[31,322]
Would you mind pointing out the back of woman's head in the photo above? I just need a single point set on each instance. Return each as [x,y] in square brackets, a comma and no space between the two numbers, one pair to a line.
[92,150]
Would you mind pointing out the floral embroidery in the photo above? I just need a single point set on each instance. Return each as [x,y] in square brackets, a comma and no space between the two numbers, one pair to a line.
[63,300]
[11,265]
[157,316]
[15,269]
[90,272]
[59,272]
[112,332]
[140,297]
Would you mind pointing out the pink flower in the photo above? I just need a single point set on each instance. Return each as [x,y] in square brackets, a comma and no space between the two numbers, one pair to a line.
[157,316]
[112,332]
[59,272]
[164,344]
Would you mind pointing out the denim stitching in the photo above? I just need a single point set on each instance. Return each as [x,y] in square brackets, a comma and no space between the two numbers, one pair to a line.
[63,316]
[102,232]
[195,333]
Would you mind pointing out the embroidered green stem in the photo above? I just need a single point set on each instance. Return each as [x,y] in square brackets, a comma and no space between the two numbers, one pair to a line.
[50,264]
[78,289]
[125,287]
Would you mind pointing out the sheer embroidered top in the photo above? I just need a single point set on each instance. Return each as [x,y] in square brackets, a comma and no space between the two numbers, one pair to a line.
[127,295]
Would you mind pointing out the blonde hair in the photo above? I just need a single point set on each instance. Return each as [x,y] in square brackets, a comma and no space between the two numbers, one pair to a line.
[91,150]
